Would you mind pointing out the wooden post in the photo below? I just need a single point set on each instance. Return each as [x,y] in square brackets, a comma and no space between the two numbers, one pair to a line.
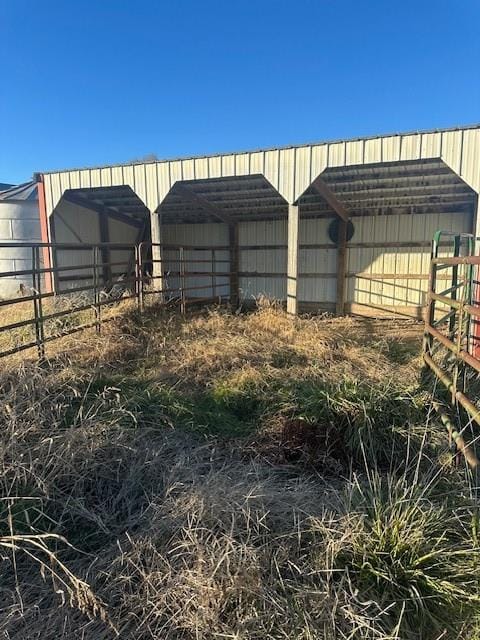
[341,267]
[292,259]
[234,264]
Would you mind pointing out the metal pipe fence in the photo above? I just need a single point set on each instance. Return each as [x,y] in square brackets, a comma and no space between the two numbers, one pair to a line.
[88,291]
[450,346]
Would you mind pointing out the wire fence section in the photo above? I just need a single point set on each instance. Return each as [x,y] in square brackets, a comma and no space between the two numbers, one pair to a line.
[57,289]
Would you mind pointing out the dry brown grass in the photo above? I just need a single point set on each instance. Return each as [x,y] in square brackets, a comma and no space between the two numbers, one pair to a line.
[57,328]
[142,455]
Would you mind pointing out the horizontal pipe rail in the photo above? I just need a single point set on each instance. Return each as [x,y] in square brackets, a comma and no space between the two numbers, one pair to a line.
[455,334]
[456,304]
[456,261]
[469,407]
[94,292]
[451,346]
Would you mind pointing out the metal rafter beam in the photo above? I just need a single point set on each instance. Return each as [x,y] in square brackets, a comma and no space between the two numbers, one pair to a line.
[102,209]
[202,203]
[322,188]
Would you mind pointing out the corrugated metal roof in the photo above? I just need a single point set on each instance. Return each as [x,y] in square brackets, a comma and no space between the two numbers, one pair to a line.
[21,192]
[291,171]
[265,149]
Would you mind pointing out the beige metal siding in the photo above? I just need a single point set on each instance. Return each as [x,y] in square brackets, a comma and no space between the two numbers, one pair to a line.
[289,170]
[209,235]
[252,262]
[256,263]
[122,233]
[405,262]
[317,265]
[74,224]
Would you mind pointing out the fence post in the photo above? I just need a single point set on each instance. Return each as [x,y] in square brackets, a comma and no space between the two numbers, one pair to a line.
[214,278]
[96,292]
[183,306]
[455,286]
[37,302]
[430,310]
[233,241]
[139,276]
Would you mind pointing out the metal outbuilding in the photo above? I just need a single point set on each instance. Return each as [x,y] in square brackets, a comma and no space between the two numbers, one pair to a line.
[19,222]
[341,226]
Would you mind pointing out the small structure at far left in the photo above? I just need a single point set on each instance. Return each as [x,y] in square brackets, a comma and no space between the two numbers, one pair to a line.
[19,223]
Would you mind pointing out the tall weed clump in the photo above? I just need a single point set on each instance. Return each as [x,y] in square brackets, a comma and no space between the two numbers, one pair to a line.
[411,553]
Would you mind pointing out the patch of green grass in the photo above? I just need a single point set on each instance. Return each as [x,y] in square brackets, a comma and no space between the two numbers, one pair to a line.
[374,422]
[221,410]
[23,515]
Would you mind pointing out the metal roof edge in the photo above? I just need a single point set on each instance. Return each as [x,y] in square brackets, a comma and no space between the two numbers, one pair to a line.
[264,149]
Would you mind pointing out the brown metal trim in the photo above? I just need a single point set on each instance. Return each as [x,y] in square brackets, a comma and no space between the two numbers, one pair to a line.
[341,268]
[202,202]
[44,235]
[233,235]
[102,209]
[322,188]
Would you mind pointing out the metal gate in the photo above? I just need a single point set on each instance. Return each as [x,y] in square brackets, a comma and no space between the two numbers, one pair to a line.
[451,346]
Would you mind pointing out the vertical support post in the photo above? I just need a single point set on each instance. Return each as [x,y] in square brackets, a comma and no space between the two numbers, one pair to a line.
[430,311]
[214,278]
[458,323]
[476,221]
[181,259]
[341,267]
[37,302]
[40,301]
[292,259]
[44,234]
[157,269]
[96,291]
[234,264]
[475,283]
[105,251]
[139,276]
[455,285]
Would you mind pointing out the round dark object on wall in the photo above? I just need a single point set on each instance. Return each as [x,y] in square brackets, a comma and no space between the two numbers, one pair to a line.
[333,230]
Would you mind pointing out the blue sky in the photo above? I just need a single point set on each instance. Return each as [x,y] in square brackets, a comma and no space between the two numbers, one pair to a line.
[107,81]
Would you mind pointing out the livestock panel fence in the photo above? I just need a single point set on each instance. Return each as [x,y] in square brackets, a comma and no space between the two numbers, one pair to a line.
[89,283]
[452,337]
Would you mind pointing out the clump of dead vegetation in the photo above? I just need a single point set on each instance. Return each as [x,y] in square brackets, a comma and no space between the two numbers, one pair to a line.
[232,476]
